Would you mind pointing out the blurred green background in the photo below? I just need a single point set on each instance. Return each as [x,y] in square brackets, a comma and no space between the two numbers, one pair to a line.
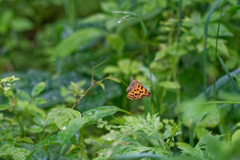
[59,41]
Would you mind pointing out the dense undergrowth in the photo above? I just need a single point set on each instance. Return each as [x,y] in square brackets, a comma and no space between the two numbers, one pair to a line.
[65,66]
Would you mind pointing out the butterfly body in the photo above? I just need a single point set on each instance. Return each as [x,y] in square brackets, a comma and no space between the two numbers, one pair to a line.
[137,90]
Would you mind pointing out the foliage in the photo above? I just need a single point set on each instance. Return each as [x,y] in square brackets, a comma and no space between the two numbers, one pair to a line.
[65,66]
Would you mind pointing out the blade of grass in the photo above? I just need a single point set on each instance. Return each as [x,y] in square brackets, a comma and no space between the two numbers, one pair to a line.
[219,83]
[205,47]
[228,74]
[216,54]
[195,121]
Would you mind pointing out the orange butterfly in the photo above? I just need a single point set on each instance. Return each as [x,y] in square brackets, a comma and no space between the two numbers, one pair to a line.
[137,90]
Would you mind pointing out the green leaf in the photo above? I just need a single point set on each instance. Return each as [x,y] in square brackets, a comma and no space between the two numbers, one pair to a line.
[229,76]
[78,39]
[38,101]
[236,136]
[3,107]
[24,96]
[101,84]
[21,24]
[111,69]
[51,128]
[170,85]
[38,89]
[61,116]
[238,124]
[40,120]
[101,112]
[36,129]
[116,42]
[187,149]
[75,124]
[234,8]
[16,153]
[8,93]
[237,76]
[27,140]
[109,6]
[54,139]
[194,123]
[114,79]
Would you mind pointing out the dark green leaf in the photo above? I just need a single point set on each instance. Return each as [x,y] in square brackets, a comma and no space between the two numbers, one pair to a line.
[78,39]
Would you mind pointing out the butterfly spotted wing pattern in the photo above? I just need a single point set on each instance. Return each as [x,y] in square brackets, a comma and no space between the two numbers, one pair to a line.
[136,91]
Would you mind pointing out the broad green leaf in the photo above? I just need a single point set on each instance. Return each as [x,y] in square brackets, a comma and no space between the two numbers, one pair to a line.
[89,117]
[38,89]
[101,112]
[193,108]
[38,101]
[96,17]
[27,140]
[16,153]
[51,128]
[39,154]
[8,93]
[36,129]
[3,107]
[170,85]
[53,139]
[78,39]
[61,116]
[24,96]
[236,136]
[40,120]
[21,24]
[116,42]
[109,6]
[111,69]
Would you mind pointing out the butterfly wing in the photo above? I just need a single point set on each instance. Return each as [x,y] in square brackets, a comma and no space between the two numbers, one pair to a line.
[137,91]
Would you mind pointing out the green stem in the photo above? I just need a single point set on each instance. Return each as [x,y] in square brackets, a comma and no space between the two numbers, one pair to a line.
[19,122]
[82,144]
[216,55]
[42,136]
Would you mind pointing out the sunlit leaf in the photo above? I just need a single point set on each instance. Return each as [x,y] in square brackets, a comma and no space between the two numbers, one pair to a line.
[38,89]
[3,107]
[61,116]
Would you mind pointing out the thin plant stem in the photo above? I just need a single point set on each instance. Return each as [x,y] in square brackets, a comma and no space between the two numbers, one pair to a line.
[42,136]
[86,92]
[82,144]
[216,54]
[205,47]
